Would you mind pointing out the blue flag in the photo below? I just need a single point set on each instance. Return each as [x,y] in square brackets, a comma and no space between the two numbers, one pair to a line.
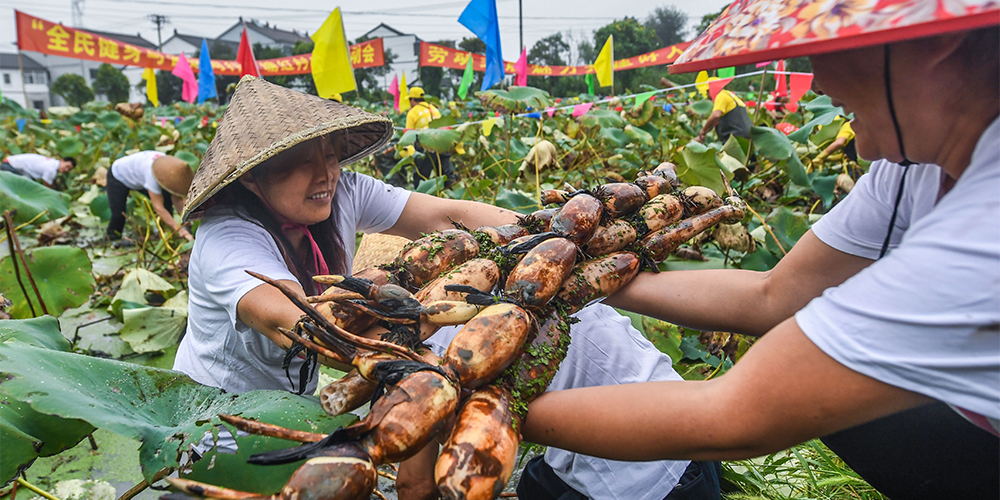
[480,16]
[206,77]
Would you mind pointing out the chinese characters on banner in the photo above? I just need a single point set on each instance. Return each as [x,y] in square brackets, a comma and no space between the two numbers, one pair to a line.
[38,35]
[447,57]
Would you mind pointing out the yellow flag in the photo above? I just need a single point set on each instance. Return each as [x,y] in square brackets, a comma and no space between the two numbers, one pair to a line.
[701,83]
[150,76]
[331,58]
[404,95]
[604,66]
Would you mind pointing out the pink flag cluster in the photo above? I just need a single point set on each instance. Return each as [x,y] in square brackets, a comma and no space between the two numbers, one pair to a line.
[189,92]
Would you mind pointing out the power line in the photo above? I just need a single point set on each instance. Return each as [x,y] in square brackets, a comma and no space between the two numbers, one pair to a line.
[159,20]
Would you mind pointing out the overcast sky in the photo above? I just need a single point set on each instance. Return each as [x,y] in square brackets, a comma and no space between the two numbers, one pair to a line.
[428,19]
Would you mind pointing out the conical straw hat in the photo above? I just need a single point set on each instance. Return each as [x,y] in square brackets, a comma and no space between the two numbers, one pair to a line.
[173,174]
[264,119]
[377,249]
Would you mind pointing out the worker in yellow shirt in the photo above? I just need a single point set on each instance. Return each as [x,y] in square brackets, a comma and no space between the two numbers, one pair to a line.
[729,117]
[421,113]
[433,164]
[844,140]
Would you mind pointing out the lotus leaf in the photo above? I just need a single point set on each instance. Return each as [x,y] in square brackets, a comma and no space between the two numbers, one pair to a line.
[164,409]
[516,100]
[603,117]
[774,145]
[62,274]
[26,198]
[152,329]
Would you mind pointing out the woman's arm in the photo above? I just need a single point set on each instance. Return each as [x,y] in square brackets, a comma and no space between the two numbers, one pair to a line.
[784,391]
[167,217]
[265,309]
[741,301]
[426,214]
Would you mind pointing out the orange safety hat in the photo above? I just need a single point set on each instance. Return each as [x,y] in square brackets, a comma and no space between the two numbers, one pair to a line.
[752,31]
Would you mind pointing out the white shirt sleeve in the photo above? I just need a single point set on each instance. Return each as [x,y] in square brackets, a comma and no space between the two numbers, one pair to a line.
[377,205]
[36,166]
[926,317]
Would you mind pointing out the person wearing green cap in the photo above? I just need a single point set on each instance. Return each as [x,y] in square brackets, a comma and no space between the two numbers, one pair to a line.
[881,326]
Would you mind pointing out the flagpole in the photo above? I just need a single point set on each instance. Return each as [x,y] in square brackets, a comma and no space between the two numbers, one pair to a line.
[24,86]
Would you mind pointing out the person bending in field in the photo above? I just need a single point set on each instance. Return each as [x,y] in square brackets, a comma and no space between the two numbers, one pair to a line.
[881,327]
[38,167]
[729,117]
[163,178]
[273,198]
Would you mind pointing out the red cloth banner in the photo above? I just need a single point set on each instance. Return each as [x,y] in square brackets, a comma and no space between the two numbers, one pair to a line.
[38,35]
[447,57]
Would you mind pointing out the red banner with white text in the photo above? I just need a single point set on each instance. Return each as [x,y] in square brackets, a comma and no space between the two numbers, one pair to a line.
[38,35]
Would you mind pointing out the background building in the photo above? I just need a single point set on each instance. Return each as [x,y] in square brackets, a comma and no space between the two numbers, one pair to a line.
[35,81]
[406,49]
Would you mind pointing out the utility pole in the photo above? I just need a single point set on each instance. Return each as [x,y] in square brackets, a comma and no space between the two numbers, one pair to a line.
[520,22]
[159,20]
[77,8]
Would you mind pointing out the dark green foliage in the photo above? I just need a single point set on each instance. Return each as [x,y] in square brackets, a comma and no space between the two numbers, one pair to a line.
[112,83]
[73,89]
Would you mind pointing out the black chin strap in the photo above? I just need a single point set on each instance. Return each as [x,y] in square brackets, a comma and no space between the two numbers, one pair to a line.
[892,109]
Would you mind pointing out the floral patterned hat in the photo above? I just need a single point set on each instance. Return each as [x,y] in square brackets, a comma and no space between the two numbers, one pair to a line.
[752,31]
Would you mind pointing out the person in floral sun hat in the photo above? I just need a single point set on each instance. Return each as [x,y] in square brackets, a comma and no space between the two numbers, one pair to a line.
[881,327]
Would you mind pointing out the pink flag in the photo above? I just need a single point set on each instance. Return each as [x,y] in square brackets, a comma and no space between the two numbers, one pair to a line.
[782,87]
[551,111]
[182,70]
[581,109]
[799,84]
[394,90]
[521,69]
[762,64]
[716,86]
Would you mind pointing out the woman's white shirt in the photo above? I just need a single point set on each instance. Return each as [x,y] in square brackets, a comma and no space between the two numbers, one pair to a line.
[220,350]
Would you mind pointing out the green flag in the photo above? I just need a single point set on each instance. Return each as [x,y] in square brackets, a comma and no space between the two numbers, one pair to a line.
[463,88]
[726,72]
[590,83]
[643,97]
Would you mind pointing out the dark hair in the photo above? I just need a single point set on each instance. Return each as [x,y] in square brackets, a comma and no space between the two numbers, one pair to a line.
[71,160]
[249,207]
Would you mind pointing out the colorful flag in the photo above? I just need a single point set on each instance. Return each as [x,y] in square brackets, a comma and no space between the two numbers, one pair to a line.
[404,95]
[463,88]
[782,86]
[700,83]
[581,109]
[716,86]
[149,74]
[480,16]
[182,70]
[726,72]
[331,58]
[604,66]
[394,92]
[244,56]
[799,84]
[590,83]
[521,69]
[206,76]
[643,97]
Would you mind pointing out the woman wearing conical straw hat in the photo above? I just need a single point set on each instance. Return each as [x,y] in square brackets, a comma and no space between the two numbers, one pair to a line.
[883,322]
[272,199]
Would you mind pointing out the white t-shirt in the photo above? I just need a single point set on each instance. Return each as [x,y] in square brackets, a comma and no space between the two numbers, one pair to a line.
[135,171]
[36,166]
[926,317]
[606,350]
[218,349]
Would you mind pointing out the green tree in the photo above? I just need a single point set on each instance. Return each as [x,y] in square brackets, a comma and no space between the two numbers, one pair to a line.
[669,24]
[554,50]
[112,83]
[73,89]
[706,21]
[630,39]
[168,87]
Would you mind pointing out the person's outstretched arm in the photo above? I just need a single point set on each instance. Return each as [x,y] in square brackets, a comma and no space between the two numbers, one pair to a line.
[740,301]
[784,391]
[426,214]
[168,218]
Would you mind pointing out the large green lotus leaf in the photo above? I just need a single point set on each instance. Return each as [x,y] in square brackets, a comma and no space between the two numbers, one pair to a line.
[69,146]
[516,201]
[25,433]
[439,140]
[101,207]
[82,117]
[824,112]
[153,329]
[62,274]
[638,135]
[188,157]
[603,117]
[164,409]
[702,108]
[188,125]
[787,226]
[699,166]
[408,139]
[134,288]
[827,133]
[109,119]
[613,137]
[39,332]
[516,100]
[774,145]
[26,198]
